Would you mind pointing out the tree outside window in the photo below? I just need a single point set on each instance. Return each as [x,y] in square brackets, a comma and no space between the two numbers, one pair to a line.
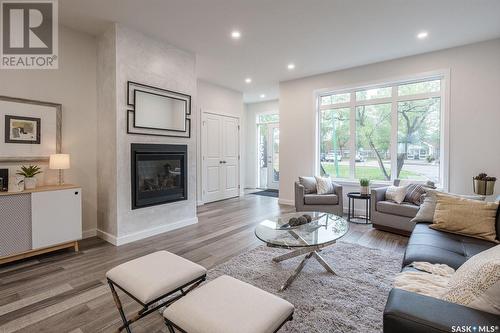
[373,142]
[334,142]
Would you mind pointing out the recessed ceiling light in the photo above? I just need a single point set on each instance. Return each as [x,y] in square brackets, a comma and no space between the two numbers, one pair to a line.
[248,80]
[291,66]
[235,34]
[262,95]
[422,35]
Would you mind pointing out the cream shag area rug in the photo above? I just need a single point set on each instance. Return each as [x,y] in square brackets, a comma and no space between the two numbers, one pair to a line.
[352,301]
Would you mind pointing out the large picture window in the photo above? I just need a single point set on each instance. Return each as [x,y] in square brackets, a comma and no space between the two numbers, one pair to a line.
[383,132]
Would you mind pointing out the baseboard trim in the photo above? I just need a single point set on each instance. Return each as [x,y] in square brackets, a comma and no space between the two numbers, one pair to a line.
[89,233]
[286,202]
[106,236]
[125,239]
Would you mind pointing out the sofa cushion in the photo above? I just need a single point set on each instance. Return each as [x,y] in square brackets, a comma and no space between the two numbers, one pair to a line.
[465,217]
[428,206]
[439,247]
[410,312]
[477,282]
[414,193]
[321,199]
[396,193]
[404,209]
[324,185]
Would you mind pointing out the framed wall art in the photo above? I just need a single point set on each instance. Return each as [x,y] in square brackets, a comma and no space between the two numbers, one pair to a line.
[31,129]
[20,129]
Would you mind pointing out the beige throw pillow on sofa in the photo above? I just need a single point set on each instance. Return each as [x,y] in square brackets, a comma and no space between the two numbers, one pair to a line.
[428,206]
[465,217]
[396,193]
[476,283]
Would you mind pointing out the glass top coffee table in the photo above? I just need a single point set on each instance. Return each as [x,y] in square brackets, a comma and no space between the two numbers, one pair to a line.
[306,239]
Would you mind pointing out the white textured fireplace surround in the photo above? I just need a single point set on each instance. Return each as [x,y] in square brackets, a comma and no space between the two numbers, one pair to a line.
[124,54]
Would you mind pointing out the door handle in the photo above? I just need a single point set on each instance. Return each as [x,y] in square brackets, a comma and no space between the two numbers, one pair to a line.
[224,162]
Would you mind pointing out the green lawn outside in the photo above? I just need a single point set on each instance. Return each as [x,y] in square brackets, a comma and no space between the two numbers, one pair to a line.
[372,173]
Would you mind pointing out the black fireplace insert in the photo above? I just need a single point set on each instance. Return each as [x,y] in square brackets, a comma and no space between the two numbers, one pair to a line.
[159,174]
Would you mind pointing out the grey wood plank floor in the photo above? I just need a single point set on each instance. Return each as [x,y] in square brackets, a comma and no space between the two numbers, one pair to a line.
[67,291]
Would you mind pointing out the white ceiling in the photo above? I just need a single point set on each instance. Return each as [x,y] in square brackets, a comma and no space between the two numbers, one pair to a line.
[317,35]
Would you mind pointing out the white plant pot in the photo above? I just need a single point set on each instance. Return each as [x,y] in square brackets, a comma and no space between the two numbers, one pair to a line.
[29,183]
[365,190]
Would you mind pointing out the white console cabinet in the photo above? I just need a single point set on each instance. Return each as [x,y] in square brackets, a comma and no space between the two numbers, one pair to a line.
[37,221]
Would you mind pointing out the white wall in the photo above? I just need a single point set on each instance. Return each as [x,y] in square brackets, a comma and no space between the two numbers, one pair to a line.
[251,112]
[145,60]
[474,111]
[74,86]
[216,99]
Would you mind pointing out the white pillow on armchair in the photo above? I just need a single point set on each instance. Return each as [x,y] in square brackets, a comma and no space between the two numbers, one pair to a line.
[324,185]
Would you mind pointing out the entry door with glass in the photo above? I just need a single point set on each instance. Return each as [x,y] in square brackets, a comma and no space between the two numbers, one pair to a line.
[269,143]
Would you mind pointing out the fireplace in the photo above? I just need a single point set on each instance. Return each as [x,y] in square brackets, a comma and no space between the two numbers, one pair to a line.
[159,174]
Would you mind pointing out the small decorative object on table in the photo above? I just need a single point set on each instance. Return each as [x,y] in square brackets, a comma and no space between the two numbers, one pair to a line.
[296,221]
[484,184]
[18,184]
[29,174]
[364,184]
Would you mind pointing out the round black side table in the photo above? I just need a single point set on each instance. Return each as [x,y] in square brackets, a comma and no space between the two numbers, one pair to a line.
[352,197]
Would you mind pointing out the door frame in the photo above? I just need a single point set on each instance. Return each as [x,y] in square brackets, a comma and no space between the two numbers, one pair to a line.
[271,184]
[203,151]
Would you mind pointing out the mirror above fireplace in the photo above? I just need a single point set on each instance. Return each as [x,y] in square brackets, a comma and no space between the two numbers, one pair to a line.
[155,111]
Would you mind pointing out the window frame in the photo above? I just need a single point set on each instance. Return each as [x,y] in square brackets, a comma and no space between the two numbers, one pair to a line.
[443,94]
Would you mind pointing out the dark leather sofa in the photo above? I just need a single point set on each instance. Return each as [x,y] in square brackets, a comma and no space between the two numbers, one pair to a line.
[410,312]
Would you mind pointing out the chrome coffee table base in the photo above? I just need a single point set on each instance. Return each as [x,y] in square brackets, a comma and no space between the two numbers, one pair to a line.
[310,252]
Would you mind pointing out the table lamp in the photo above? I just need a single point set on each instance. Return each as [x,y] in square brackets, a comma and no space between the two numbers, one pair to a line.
[59,162]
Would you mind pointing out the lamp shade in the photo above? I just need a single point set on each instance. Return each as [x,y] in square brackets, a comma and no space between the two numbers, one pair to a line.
[59,161]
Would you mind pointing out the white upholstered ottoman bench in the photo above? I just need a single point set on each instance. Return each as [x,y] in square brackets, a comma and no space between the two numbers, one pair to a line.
[150,279]
[228,305]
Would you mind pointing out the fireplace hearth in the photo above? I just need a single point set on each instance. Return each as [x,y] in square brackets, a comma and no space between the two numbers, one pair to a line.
[159,174]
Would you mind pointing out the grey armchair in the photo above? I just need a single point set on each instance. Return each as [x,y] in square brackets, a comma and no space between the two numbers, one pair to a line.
[390,216]
[328,203]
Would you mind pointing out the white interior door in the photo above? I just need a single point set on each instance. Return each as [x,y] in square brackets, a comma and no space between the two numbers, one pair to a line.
[231,156]
[221,159]
[212,157]
[273,166]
